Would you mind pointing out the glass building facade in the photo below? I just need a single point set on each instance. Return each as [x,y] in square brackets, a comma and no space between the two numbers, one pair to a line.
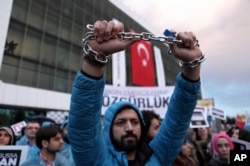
[43,46]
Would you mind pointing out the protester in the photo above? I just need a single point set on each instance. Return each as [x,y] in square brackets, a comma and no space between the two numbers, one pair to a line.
[192,139]
[7,136]
[186,157]
[222,145]
[124,133]
[29,137]
[238,133]
[49,141]
[152,123]
[204,139]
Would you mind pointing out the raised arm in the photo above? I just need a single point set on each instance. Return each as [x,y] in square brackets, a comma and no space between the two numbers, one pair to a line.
[168,142]
[86,100]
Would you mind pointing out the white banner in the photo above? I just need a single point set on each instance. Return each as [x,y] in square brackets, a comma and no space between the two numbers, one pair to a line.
[151,98]
[119,69]
[160,75]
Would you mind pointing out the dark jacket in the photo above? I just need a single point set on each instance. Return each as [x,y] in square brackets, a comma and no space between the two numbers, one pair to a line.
[217,161]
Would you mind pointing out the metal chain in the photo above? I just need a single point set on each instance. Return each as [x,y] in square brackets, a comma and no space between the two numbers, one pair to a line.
[146,36]
[193,63]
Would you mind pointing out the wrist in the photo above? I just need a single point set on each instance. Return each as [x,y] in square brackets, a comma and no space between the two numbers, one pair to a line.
[191,74]
[91,69]
[93,57]
[188,79]
[96,59]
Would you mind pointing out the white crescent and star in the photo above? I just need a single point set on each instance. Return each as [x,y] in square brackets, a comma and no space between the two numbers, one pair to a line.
[144,59]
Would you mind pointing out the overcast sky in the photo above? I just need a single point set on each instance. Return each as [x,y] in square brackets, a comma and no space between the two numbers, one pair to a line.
[223,30]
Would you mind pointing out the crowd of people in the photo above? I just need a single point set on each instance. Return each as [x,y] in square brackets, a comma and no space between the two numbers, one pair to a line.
[49,143]
[127,136]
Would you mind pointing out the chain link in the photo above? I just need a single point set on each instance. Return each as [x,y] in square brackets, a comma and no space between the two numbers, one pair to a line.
[193,63]
[146,36]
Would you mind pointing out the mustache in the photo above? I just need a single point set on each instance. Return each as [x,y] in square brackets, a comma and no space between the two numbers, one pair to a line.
[129,135]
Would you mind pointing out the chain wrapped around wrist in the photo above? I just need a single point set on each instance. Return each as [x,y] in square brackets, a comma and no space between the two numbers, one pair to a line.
[100,59]
[91,56]
[194,63]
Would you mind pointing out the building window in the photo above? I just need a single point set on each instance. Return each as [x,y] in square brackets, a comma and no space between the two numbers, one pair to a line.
[63,56]
[65,29]
[61,81]
[28,74]
[49,50]
[36,16]
[32,44]
[52,23]
[20,10]
[10,116]
[75,59]
[9,71]
[14,39]
[46,76]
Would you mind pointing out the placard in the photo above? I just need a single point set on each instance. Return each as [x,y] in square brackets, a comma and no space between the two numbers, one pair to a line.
[199,118]
[13,155]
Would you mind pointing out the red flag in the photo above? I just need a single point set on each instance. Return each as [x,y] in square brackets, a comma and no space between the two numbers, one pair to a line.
[143,69]
[239,122]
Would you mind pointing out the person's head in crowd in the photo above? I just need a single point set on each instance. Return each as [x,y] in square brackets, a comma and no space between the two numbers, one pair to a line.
[222,144]
[124,129]
[234,132]
[238,133]
[65,131]
[187,156]
[203,133]
[49,138]
[49,141]
[152,123]
[30,130]
[186,148]
[7,136]
[191,136]
[223,128]
[197,153]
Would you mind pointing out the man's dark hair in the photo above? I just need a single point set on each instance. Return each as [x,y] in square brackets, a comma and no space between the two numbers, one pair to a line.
[46,133]
[148,115]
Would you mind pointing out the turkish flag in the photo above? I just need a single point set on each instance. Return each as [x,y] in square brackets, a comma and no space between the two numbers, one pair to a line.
[239,122]
[143,68]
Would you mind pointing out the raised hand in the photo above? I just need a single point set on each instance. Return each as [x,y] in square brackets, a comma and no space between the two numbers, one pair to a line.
[105,43]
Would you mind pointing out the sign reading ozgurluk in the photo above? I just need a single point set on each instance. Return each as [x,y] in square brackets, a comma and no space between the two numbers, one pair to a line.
[151,98]
[13,155]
